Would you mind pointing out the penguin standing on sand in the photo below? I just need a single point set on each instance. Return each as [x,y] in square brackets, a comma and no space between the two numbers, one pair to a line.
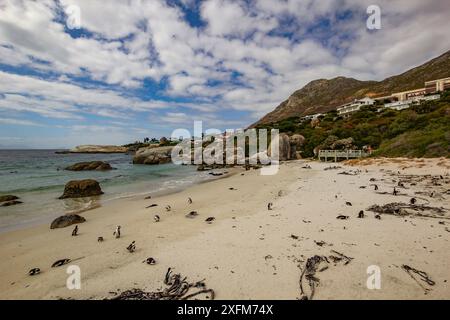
[189,200]
[168,208]
[117,232]
[361,214]
[156,218]
[75,231]
[376,187]
[395,192]
[269,206]
[132,247]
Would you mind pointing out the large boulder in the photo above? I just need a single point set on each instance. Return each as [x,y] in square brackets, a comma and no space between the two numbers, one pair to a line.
[10,203]
[98,149]
[148,155]
[343,144]
[289,147]
[81,188]
[9,200]
[67,220]
[296,142]
[8,197]
[92,165]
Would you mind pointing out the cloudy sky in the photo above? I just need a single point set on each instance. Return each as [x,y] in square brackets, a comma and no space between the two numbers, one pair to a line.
[135,69]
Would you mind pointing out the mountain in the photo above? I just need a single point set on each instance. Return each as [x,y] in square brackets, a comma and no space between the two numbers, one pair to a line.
[324,95]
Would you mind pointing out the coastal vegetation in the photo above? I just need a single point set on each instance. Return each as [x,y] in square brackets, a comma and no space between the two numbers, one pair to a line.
[422,130]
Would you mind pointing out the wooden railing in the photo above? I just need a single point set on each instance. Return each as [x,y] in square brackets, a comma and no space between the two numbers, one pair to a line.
[341,154]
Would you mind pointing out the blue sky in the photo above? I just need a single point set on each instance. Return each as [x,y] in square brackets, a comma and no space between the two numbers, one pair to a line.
[136,69]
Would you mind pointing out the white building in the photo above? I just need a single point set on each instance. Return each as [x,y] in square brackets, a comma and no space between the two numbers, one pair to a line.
[400,105]
[354,106]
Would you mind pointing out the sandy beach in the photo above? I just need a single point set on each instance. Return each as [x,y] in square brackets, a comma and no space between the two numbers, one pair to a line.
[248,251]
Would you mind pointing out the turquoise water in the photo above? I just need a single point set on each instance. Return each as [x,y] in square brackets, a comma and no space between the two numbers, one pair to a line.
[38,178]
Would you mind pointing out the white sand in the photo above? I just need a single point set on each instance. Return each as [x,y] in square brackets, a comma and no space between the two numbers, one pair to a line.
[230,253]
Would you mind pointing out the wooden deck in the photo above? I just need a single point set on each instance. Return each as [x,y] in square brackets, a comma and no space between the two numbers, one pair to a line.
[337,155]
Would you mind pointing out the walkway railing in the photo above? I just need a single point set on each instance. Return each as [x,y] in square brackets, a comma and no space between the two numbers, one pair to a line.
[341,154]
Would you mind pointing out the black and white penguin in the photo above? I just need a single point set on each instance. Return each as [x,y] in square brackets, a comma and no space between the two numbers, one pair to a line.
[75,231]
[192,214]
[132,247]
[361,214]
[269,206]
[100,239]
[156,218]
[60,262]
[348,203]
[413,200]
[210,219]
[34,271]
[395,192]
[168,208]
[189,200]
[150,261]
[117,232]
[375,187]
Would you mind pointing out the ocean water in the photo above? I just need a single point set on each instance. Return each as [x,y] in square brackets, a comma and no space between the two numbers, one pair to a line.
[38,178]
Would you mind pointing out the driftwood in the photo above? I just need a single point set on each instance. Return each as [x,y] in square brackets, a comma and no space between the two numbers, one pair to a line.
[422,275]
[177,289]
[404,209]
[315,264]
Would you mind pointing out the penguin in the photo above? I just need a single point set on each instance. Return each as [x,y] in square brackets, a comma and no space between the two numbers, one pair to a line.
[210,219]
[100,239]
[376,187]
[132,247]
[192,214]
[34,271]
[149,261]
[348,203]
[395,192]
[168,208]
[269,206]
[156,218]
[61,262]
[117,232]
[75,231]
[189,200]
[378,217]
[361,214]
[413,200]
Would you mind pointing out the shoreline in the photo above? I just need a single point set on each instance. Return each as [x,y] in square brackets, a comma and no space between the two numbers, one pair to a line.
[46,220]
[247,252]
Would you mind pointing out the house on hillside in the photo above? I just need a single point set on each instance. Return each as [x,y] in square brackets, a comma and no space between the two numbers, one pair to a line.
[354,106]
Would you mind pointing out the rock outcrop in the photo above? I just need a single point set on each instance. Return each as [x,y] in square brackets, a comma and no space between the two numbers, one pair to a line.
[150,155]
[10,203]
[289,147]
[8,197]
[98,149]
[81,188]
[9,200]
[67,220]
[92,165]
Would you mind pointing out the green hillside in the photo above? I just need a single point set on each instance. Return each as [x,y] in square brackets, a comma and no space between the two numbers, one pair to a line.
[420,131]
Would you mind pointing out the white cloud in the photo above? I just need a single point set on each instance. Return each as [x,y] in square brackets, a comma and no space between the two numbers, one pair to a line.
[246,56]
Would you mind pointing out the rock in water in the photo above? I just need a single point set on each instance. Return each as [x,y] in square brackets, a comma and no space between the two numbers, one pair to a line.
[10,203]
[152,155]
[81,188]
[67,220]
[92,165]
[8,197]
